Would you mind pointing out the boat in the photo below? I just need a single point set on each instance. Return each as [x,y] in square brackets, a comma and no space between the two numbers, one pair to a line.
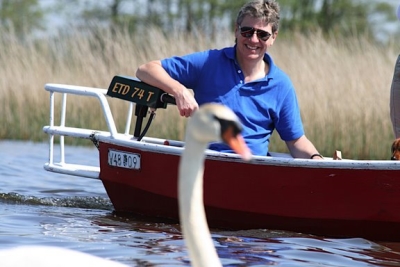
[330,198]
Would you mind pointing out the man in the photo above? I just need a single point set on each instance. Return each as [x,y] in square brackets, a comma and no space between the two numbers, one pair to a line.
[395,95]
[242,77]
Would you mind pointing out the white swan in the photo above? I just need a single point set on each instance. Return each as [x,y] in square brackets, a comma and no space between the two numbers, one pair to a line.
[212,122]
[51,256]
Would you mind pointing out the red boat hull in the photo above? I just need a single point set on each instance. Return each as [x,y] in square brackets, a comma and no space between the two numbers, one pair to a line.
[333,202]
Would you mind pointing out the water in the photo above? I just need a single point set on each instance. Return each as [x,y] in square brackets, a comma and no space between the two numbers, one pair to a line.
[44,208]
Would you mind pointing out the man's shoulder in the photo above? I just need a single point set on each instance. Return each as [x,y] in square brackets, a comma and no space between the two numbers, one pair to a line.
[275,71]
[228,52]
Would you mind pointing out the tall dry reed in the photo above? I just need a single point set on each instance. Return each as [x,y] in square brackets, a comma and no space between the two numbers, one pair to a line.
[342,86]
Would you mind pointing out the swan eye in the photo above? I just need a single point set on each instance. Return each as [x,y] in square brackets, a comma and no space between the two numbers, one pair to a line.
[231,125]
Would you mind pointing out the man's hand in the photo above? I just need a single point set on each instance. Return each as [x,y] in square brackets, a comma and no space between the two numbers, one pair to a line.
[186,103]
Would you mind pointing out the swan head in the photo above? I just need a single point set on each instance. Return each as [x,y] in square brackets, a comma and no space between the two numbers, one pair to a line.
[216,122]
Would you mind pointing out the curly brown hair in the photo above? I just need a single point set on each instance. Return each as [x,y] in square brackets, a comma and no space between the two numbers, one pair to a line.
[267,10]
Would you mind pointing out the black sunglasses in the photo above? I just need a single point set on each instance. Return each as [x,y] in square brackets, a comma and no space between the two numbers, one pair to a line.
[247,32]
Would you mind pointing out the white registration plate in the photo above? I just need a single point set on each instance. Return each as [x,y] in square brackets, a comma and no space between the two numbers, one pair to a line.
[123,159]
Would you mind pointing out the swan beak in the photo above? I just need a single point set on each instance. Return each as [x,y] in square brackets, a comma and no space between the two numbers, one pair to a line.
[237,143]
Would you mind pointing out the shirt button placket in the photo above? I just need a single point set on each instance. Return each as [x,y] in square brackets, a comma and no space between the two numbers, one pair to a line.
[240,76]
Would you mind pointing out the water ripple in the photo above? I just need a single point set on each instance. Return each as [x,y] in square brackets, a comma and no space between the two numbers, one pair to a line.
[75,201]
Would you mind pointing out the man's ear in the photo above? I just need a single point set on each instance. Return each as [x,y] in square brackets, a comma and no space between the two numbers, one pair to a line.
[273,37]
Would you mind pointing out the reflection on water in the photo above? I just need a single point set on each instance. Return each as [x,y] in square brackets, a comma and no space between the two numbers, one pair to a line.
[38,207]
[141,241]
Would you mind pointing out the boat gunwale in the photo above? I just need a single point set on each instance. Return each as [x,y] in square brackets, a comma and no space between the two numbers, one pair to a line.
[280,159]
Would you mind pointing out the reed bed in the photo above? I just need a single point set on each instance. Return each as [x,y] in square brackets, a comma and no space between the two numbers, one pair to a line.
[342,85]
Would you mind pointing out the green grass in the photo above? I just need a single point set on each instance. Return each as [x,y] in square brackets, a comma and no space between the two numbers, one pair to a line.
[342,85]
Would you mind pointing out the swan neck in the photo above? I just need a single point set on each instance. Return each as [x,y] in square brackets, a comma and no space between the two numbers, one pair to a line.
[191,207]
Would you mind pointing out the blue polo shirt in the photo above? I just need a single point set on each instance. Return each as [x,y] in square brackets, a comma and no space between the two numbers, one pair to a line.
[262,105]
